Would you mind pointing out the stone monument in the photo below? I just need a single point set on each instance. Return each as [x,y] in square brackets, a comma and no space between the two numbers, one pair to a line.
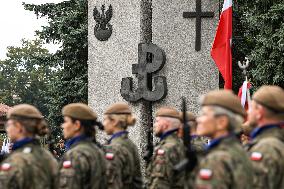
[150,53]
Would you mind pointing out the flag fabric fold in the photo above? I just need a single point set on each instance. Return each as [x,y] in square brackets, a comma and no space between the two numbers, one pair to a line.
[244,94]
[221,49]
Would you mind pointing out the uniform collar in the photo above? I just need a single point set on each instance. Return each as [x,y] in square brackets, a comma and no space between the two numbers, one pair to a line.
[116,135]
[259,130]
[215,142]
[166,134]
[194,136]
[75,140]
[20,143]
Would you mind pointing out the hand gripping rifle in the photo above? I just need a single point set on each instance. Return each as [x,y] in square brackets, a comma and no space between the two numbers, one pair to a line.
[191,160]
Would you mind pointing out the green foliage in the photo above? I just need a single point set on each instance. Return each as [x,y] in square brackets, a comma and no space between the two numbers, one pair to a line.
[25,75]
[67,25]
[262,29]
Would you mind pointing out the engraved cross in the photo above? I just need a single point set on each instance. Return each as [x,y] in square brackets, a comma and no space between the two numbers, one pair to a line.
[198,15]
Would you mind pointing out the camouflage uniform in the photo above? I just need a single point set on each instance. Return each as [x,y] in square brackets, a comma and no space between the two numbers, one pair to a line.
[168,153]
[225,165]
[29,166]
[83,166]
[123,163]
[267,156]
[198,143]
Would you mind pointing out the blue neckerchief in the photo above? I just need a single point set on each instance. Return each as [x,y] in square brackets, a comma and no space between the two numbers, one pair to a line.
[118,134]
[75,140]
[22,142]
[259,130]
[216,141]
[194,136]
[164,135]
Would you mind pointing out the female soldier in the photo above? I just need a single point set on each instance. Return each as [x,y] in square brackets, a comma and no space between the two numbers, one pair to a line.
[29,165]
[83,165]
[123,164]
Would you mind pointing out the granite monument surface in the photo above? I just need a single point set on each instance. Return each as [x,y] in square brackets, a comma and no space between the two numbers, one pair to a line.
[150,53]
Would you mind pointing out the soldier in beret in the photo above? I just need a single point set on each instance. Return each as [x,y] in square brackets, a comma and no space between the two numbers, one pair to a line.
[198,142]
[123,163]
[226,164]
[29,165]
[83,164]
[168,153]
[266,150]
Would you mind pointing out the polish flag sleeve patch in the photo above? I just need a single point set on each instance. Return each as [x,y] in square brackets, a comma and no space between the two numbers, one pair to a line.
[160,152]
[205,174]
[109,156]
[67,164]
[256,156]
[6,166]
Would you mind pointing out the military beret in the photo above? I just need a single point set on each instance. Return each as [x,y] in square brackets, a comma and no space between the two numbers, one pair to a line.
[225,99]
[25,111]
[79,111]
[118,108]
[189,116]
[271,97]
[168,112]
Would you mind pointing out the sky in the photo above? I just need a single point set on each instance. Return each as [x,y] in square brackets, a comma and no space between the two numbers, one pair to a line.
[17,23]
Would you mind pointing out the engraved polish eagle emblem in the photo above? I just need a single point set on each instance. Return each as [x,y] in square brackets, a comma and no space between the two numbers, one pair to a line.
[103,29]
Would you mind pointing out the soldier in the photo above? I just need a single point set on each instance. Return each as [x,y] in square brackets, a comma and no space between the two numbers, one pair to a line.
[83,164]
[123,163]
[226,164]
[198,145]
[198,142]
[29,165]
[169,152]
[266,148]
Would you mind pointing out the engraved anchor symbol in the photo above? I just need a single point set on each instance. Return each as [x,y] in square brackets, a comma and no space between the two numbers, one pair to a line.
[143,70]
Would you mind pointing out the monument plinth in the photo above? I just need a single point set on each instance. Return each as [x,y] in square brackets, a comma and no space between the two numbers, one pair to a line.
[182,29]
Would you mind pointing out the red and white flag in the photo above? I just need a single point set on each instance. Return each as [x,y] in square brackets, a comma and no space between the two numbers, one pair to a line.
[244,94]
[221,49]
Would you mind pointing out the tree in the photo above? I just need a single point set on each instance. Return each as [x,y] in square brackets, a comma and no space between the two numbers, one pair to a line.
[25,75]
[67,25]
[262,29]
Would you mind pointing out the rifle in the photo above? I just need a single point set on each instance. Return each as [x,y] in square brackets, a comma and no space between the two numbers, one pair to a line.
[191,160]
[50,143]
[150,148]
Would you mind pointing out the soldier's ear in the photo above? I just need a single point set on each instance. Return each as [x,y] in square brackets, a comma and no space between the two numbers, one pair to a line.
[115,122]
[19,126]
[222,122]
[261,112]
[77,125]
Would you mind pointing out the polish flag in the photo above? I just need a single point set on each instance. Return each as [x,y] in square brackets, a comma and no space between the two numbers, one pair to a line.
[221,49]
[244,94]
